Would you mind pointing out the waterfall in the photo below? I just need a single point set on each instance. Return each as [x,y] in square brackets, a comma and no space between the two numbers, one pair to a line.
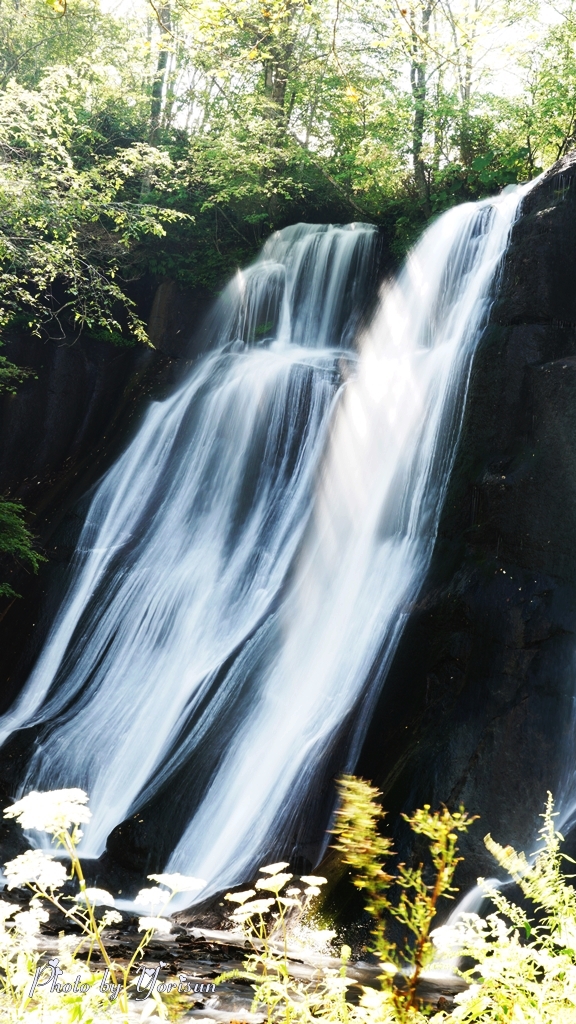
[367,546]
[565,793]
[189,537]
[247,566]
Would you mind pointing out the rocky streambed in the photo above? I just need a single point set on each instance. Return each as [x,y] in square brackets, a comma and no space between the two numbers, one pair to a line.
[188,963]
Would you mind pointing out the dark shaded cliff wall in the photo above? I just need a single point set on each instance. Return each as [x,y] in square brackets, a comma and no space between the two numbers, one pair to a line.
[62,429]
[478,707]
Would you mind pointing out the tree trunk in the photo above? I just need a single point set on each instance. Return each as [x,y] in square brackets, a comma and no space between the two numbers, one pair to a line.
[277,69]
[466,141]
[164,16]
[418,83]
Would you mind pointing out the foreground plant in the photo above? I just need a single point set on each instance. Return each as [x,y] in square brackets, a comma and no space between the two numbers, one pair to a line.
[406,896]
[265,922]
[525,966]
[36,989]
[524,961]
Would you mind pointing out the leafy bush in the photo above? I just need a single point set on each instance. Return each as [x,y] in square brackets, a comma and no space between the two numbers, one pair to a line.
[522,971]
[523,963]
[405,896]
[16,540]
[68,232]
[94,996]
[525,966]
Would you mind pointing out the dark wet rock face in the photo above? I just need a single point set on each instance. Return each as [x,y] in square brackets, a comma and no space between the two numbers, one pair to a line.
[478,707]
[59,433]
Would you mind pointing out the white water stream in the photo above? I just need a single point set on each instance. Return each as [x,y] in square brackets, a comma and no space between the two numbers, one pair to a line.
[239,568]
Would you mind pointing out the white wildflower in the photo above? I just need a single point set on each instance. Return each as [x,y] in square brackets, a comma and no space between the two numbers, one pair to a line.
[28,921]
[7,909]
[472,923]
[288,901]
[312,890]
[315,880]
[179,883]
[293,891]
[275,883]
[447,938]
[469,930]
[20,979]
[468,995]
[377,1004]
[255,907]
[35,866]
[157,924]
[110,917]
[51,812]
[273,869]
[67,944]
[240,897]
[155,896]
[97,897]
[566,935]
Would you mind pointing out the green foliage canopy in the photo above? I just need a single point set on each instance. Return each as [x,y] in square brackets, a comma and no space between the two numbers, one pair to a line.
[245,115]
[169,139]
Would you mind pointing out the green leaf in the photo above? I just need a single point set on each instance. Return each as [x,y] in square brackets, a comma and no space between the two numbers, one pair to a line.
[481,162]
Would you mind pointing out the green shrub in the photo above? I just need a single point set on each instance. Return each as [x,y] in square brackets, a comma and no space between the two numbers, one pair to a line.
[16,540]
[523,961]
[524,967]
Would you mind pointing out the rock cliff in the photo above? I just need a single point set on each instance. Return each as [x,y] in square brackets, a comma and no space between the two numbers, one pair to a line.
[479,705]
[61,430]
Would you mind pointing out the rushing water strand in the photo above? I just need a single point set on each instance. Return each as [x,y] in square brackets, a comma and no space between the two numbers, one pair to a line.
[565,791]
[367,547]
[217,604]
[189,536]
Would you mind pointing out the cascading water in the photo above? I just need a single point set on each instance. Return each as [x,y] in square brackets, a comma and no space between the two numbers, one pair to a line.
[367,547]
[217,603]
[189,537]
[564,788]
